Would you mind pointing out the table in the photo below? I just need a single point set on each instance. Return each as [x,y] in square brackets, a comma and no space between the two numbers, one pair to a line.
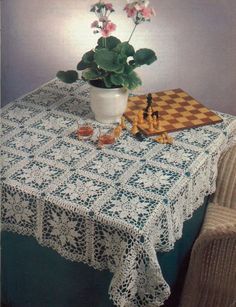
[26,265]
[112,209]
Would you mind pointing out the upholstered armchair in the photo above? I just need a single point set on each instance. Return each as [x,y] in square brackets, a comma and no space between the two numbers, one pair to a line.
[211,276]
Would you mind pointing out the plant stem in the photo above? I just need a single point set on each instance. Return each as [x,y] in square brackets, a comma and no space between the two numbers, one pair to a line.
[105,42]
[132,33]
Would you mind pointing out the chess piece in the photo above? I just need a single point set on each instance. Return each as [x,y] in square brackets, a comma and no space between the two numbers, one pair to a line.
[134,128]
[149,118]
[154,121]
[149,100]
[150,126]
[117,131]
[149,105]
[140,117]
[169,139]
[159,139]
[156,113]
[122,123]
[165,137]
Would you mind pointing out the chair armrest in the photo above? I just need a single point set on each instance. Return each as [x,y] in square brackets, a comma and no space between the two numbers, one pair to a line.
[225,193]
[211,276]
[218,218]
[219,224]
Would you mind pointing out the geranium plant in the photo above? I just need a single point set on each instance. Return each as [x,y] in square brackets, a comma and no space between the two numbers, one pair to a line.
[112,62]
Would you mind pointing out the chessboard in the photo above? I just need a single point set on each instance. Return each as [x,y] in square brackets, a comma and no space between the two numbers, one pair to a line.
[177,110]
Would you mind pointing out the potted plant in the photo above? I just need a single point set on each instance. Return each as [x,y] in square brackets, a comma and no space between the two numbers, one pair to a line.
[110,66]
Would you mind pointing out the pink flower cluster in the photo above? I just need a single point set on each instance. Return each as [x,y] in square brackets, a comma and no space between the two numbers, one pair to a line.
[139,11]
[103,25]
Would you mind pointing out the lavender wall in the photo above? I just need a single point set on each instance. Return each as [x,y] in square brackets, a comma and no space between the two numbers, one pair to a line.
[195,41]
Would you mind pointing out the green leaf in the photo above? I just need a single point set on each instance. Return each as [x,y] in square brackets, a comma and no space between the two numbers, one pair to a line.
[125,48]
[132,80]
[122,59]
[69,76]
[110,42]
[144,56]
[120,69]
[117,79]
[128,69]
[81,65]
[88,57]
[91,74]
[107,60]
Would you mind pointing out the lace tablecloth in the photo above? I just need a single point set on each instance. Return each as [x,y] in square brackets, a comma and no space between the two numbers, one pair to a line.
[112,208]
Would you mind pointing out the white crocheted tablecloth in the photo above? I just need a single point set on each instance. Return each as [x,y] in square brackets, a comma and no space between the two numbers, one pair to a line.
[112,208]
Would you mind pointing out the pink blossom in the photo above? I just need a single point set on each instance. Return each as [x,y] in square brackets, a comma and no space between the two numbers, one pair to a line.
[130,10]
[111,26]
[147,12]
[105,32]
[109,6]
[94,24]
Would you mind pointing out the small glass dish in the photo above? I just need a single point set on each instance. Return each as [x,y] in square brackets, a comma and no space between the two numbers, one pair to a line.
[85,131]
[106,137]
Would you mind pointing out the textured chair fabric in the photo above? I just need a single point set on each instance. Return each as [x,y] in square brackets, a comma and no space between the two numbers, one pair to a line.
[225,194]
[211,276]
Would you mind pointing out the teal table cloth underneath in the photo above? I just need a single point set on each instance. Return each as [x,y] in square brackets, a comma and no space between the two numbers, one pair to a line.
[35,276]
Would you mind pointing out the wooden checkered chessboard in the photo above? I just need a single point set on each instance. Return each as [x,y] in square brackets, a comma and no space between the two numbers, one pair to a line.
[177,111]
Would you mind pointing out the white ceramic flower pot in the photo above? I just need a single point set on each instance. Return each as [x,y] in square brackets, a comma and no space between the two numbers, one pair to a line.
[108,105]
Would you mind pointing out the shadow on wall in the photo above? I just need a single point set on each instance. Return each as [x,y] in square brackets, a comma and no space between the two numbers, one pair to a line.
[193,40]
